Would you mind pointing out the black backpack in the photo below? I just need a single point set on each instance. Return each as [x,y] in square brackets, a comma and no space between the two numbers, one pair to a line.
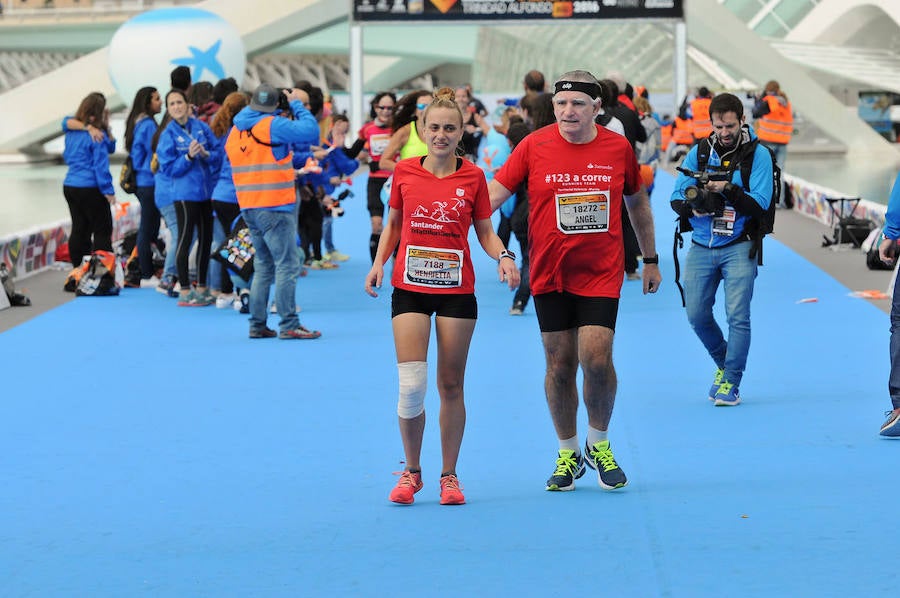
[758,227]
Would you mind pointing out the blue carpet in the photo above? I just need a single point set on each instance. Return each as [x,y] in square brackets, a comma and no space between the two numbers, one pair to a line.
[156,450]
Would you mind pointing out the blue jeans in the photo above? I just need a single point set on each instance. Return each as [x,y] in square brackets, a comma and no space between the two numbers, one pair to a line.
[168,214]
[703,271]
[276,257]
[894,379]
[215,266]
[327,223]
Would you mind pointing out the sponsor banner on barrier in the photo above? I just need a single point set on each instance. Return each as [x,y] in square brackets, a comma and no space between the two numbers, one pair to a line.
[809,200]
[513,10]
[33,251]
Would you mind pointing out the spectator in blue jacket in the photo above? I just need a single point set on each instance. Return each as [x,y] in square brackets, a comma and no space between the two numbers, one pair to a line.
[335,166]
[887,250]
[224,197]
[165,203]
[88,186]
[188,153]
[139,129]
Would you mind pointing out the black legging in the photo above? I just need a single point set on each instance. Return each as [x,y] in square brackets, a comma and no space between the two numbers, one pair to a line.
[227,213]
[148,230]
[632,249]
[91,218]
[311,217]
[193,215]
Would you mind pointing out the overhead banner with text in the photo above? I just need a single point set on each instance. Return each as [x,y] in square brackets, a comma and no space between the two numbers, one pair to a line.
[401,11]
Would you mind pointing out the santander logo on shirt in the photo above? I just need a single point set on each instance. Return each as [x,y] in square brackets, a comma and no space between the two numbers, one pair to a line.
[440,212]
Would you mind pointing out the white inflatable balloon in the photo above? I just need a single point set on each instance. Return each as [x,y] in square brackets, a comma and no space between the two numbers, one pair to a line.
[146,48]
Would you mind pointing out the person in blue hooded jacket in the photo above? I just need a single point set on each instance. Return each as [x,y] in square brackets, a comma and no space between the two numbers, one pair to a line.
[189,154]
[140,127]
[335,166]
[224,197]
[722,241]
[88,186]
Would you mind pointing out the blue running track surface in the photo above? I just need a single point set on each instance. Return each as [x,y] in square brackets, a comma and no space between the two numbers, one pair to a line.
[148,449]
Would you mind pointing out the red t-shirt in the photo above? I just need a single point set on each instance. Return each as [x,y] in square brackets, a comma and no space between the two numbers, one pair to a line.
[377,138]
[575,209]
[434,251]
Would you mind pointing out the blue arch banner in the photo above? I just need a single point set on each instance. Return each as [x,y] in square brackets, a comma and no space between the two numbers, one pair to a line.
[514,10]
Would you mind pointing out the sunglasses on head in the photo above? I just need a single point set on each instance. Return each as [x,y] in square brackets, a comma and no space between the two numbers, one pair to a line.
[421,106]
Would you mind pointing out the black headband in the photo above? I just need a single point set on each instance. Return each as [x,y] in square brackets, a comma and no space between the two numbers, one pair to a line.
[592,89]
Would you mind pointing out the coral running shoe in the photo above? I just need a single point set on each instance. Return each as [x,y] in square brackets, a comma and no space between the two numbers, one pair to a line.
[451,492]
[410,482]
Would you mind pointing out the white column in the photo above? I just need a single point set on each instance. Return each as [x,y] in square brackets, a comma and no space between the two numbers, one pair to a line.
[680,63]
[357,112]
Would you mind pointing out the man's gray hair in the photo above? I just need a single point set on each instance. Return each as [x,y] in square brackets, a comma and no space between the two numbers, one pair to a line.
[580,76]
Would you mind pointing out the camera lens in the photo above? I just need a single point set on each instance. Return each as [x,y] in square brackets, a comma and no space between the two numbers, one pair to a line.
[691,193]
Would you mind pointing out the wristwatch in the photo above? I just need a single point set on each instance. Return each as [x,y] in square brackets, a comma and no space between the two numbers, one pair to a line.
[651,260]
[506,253]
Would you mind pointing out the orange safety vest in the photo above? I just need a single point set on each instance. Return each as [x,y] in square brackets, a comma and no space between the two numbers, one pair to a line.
[702,122]
[778,125]
[260,180]
[665,136]
[683,132]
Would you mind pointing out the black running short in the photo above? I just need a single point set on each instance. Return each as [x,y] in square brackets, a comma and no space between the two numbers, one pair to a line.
[373,196]
[448,306]
[564,311]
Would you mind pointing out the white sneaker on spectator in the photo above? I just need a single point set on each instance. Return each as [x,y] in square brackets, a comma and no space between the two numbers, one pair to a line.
[224,300]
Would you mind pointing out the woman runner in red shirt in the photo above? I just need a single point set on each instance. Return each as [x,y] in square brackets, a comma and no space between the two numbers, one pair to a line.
[434,201]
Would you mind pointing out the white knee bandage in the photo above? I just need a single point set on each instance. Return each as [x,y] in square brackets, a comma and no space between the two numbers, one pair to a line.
[413,382]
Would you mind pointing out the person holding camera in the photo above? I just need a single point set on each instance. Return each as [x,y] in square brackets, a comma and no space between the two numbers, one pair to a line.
[724,215]
[259,150]
[576,261]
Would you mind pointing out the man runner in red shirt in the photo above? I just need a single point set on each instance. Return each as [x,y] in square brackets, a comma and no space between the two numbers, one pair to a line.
[577,173]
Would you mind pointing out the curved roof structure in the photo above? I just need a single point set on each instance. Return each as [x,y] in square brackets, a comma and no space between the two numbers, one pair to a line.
[828,44]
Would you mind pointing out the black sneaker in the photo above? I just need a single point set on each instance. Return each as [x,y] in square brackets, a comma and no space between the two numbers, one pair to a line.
[609,475]
[569,467]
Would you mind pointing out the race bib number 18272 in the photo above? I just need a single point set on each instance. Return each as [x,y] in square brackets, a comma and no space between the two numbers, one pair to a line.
[586,212]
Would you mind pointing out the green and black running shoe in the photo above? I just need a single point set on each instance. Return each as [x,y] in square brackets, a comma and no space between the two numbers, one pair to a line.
[569,467]
[600,457]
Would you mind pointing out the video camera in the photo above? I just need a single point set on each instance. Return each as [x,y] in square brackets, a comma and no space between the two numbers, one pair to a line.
[698,197]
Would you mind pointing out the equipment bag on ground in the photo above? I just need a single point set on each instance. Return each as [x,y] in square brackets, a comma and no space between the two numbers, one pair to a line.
[100,278]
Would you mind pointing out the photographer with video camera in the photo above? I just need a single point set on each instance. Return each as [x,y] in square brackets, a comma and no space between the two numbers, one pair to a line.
[724,213]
